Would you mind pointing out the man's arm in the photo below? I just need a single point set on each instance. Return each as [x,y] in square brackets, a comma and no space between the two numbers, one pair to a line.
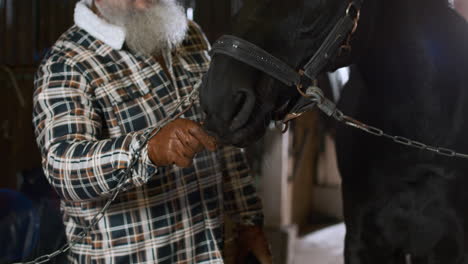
[78,162]
[241,201]
[244,206]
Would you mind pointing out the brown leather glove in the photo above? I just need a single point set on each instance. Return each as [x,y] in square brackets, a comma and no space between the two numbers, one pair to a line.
[252,240]
[178,142]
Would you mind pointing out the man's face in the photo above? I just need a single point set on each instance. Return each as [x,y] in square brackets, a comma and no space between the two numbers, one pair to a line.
[128,7]
[151,25]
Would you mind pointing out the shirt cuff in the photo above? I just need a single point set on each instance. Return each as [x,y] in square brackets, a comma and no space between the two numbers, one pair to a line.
[144,168]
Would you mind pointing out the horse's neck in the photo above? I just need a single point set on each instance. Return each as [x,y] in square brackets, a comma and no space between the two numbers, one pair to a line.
[410,42]
[415,65]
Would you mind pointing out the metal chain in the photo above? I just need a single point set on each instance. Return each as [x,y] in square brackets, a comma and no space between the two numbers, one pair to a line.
[315,94]
[123,182]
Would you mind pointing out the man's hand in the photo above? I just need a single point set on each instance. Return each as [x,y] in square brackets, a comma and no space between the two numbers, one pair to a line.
[178,142]
[252,240]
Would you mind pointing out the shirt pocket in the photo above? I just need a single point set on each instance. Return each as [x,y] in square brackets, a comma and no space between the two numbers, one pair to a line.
[135,104]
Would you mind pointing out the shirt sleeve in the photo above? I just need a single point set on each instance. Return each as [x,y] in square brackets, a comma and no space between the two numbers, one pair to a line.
[78,162]
[241,201]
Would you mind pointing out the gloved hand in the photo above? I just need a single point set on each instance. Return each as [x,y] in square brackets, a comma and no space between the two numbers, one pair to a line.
[252,246]
[178,142]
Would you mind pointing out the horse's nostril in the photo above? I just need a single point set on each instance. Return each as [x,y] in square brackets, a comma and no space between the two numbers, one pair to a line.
[244,102]
[239,101]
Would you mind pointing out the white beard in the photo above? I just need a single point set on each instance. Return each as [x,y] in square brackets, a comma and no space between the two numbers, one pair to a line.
[161,27]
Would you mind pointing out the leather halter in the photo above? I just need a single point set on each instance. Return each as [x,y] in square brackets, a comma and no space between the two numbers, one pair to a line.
[260,59]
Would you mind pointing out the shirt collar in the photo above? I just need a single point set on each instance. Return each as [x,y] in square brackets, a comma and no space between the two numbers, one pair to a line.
[85,18]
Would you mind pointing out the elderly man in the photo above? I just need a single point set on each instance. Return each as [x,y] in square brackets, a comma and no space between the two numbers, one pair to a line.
[106,84]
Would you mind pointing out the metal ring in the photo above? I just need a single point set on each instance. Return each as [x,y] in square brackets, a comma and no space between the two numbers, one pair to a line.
[356,18]
[299,90]
[352,5]
[356,24]
[283,127]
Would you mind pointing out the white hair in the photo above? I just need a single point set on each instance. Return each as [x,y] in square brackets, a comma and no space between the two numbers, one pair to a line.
[163,26]
[451,3]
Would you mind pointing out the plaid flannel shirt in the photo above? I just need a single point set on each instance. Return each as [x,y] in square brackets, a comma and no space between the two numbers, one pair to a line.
[93,105]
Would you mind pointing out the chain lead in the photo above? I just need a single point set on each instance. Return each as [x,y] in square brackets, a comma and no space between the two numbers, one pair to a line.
[329,108]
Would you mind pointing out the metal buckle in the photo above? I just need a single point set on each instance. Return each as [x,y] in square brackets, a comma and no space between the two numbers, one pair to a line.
[347,46]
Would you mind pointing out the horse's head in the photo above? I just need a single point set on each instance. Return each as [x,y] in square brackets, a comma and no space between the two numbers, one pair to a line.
[239,100]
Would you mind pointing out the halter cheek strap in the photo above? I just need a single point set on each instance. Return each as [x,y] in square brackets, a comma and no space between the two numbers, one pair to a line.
[343,30]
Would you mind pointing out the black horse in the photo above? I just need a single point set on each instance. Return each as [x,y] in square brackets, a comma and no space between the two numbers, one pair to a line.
[401,205]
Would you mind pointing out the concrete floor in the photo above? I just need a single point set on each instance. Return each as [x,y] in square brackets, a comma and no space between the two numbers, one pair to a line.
[321,247]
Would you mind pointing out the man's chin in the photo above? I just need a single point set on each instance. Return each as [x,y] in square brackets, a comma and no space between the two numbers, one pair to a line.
[162,26]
